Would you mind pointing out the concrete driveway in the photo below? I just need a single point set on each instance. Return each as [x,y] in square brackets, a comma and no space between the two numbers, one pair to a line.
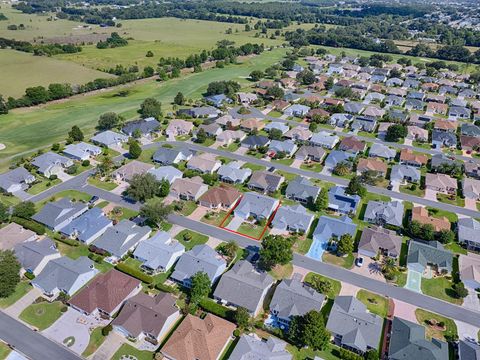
[430,195]
[296,163]
[466,331]
[199,213]
[348,289]
[241,150]
[370,268]
[64,176]
[395,186]
[235,223]
[405,311]
[109,347]
[470,204]
[16,309]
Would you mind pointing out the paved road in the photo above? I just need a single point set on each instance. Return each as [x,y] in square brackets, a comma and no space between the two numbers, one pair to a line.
[31,343]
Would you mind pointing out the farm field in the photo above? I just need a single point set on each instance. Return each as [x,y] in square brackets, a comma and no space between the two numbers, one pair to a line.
[25,130]
[20,70]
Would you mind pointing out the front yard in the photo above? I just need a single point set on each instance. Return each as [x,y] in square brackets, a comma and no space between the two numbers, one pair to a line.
[375,303]
[440,288]
[312,166]
[96,340]
[412,189]
[433,325]
[252,230]
[215,218]
[129,352]
[187,207]
[336,285]
[280,272]
[43,185]
[345,262]
[452,200]
[22,289]
[189,238]
[42,315]
[104,185]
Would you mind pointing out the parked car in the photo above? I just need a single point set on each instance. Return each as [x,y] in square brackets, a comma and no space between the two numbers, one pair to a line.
[93,200]
[359,261]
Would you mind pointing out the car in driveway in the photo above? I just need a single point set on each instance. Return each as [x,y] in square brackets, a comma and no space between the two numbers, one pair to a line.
[359,261]
[93,200]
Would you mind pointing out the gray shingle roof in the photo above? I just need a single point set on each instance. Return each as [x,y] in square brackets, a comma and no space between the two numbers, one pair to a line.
[420,254]
[109,138]
[294,218]
[302,188]
[256,204]
[250,347]
[87,225]
[468,230]
[14,177]
[233,172]
[158,250]
[55,213]
[381,212]
[31,253]
[382,151]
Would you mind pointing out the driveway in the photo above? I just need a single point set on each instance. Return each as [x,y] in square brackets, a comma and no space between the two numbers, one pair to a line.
[395,186]
[241,150]
[405,311]
[235,223]
[296,163]
[430,195]
[199,213]
[64,176]
[109,347]
[408,142]
[348,289]
[466,331]
[16,309]
[472,301]
[370,268]
[470,204]
[122,186]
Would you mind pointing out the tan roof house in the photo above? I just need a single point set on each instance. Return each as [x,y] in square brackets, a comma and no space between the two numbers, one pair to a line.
[420,214]
[204,163]
[188,189]
[14,234]
[222,196]
[372,164]
[446,125]
[437,108]
[471,188]
[441,183]
[469,142]
[126,172]
[228,121]
[298,133]
[230,136]
[252,124]
[147,317]
[408,157]
[179,127]
[199,339]
[374,111]
[417,133]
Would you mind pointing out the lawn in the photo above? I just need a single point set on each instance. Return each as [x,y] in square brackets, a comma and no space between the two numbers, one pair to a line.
[105,185]
[48,124]
[375,303]
[416,191]
[345,262]
[456,248]
[196,238]
[330,353]
[439,213]
[286,162]
[146,156]
[71,194]
[457,200]
[42,315]
[313,167]
[129,352]
[253,167]
[252,230]
[22,289]
[280,272]
[43,185]
[232,147]
[9,200]
[440,288]
[188,207]
[125,213]
[424,316]
[96,339]
[214,218]
[4,350]
[336,285]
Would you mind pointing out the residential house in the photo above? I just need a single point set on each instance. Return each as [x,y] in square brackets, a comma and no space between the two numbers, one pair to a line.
[253,348]
[56,215]
[293,298]
[253,142]
[170,156]
[13,235]
[50,163]
[188,189]
[109,138]
[420,214]
[340,120]
[374,165]
[446,125]
[106,294]
[353,107]
[420,120]
[201,112]
[472,168]
[251,124]
[310,153]
[88,226]
[244,286]
[443,139]
[468,230]
[143,127]
[429,254]
[212,130]
[374,97]
[441,183]
[34,255]
[218,100]
[256,206]
[383,129]
[437,108]
[404,173]
[220,197]
[230,136]
[299,134]
[468,350]
[144,317]
[317,113]
[294,219]
[364,123]
[199,338]
[353,326]
[228,121]
[414,104]
[158,253]
[166,173]
[336,157]
[324,139]
[408,340]
[130,169]
[204,163]
[460,112]
[470,130]
[16,180]
[232,173]
[384,213]
[378,240]
[247,98]
[416,133]
[280,126]
[302,190]
[441,160]
[199,258]
[382,151]
[341,202]
[297,110]
[265,182]
[373,112]
[121,238]
[471,188]
[408,157]
[82,151]
[470,143]
[287,147]
[64,275]
[352,145]
[394,100]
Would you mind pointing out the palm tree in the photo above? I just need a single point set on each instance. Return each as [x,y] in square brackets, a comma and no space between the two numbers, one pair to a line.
[231,249]
[389,265]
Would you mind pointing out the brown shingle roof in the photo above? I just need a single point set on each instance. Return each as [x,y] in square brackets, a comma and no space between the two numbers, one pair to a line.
[372,164]
[408,155]
[105,292]
[352,144]
[447,125]
[197,338]
[420,214]
[221,195]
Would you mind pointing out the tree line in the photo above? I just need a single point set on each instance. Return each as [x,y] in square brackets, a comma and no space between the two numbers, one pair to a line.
[41,49]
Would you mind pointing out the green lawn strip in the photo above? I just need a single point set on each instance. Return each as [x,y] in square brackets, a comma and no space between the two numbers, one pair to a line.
[196,238]
[336,285]
[22,288]
[42,315]
[253,167]
[345,262]
[125,214]
[407,189]
[456,201]
[146,155]
[440,288]
[73,195]
[456,248]
[9,200]
[96,340]
[4,350]
[232,147]
[126,350]
[438,213]
[280,272]
[102,204]
[105,185]
[423,317]
[313,167]
[330,353]
[228,349]
[288,176]
[375,303]
[214,218]
[43,185]
[286,162]
[188,207]
[250,229]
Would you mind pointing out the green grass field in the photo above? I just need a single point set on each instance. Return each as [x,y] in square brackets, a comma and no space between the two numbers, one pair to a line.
[42,315]
[21,70]
[25,130]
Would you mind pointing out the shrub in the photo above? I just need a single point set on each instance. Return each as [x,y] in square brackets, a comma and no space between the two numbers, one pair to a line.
[85,163]
[65,240]
[348,355]
[64,309]
[236,333]
[30,225]
[106,329]
[134,272]
[29,275]
[166,288]
[212,307]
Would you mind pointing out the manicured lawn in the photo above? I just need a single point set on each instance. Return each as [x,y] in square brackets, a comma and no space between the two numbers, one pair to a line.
[281,271]
[146,156]
[457,200]
[286,162]
[275,113]
[407,189]
[43,185]
[9,200]
[23,287]
[345,262]
[105,185]
[313,167]
[440,288]
[42,315]
[302,245]
[102,204]
[456,248]
[214,218]
[71,194]
[336,285]
[73,252]
[125,213]
[330,353]
[424,316]
[232,147]
[188,207]
[96,339]
[4,350]
[254,231]
[375,303]
[126,350]
[288,176]
[253,167]
[439,213]
[196,238]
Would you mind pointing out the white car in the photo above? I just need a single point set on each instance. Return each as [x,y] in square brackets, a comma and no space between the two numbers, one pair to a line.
[359,261]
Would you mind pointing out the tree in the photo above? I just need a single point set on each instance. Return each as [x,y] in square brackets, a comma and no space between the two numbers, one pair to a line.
[150,107]
[355,187]
[25,210]
[256,75]
[179,99]
[9,273]
[148,71]
[109,120]
[229,249]
[201,136]
[371,354]
[329,83]
[446,236]
[341,169]
[3,106]
[134,149]
[149,53]
[460,291]
[389,265]
[275,134]
[309,331]
[75,134]
[306,77]
[156,211]
[321,285]
[143,187]
[396,132]
[37,95]
[105,166]
[200,287]
[164,189]
[322,200]
[275,92]
[242,318]
[275,250]
[345,244]
[4,214]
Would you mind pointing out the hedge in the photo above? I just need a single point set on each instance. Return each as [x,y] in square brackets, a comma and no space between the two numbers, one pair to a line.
[29,275]
[134,272]
[65,240]
[29,224]
[348,355]
[212,307]
[166,288]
